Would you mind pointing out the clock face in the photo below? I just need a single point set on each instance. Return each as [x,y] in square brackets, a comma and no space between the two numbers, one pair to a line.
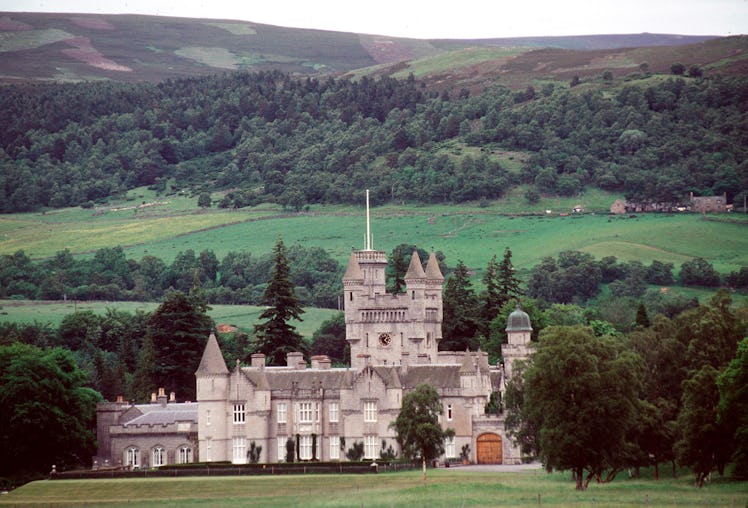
[385,339]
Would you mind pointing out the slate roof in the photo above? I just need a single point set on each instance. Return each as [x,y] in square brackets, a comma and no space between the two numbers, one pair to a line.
[415,270]
[438,376]
[156,414]
[432,269]
[353,272]
[281,379]
[212,361]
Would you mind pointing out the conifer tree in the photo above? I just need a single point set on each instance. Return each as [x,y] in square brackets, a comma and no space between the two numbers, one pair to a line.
[461,312]
[508,283]
[179,329]
[501,286]
[275,337]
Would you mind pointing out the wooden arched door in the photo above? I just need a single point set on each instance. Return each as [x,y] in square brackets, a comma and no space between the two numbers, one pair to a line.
[489,449]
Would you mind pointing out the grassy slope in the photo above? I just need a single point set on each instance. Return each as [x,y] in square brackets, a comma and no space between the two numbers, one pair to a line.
[453,487]
[241,316]
[461,231]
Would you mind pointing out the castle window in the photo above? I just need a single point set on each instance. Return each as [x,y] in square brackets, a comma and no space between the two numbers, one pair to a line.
[350,296]
[370,411]
[412,295]
[184,455]
[371,447]
[334,447]
[333,412]
[132,457]
[281,412]
[159,456]
[449,448]
[449,412]
[305,412]
[207,417]
[239,447]
[282,448]
[305,447]
[239,414]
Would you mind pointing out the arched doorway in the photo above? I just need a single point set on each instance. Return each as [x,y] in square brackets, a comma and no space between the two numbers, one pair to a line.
[489,449]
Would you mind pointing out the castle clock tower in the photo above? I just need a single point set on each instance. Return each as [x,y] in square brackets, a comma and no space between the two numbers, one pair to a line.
[391,328]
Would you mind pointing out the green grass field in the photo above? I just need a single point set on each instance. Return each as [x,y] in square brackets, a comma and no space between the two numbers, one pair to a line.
[448,488]
[470,233]
[241,316]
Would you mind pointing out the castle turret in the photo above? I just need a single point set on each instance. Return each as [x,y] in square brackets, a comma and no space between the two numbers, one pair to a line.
[518,331]
[212,395]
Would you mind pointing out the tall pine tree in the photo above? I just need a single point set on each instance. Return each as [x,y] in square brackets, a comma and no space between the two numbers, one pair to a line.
[275,337]
[461,312]
[501,286]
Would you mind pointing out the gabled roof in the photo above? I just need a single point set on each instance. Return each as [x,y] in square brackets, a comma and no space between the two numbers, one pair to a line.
[212,361]
[353,272]
[415,270]
[432,269]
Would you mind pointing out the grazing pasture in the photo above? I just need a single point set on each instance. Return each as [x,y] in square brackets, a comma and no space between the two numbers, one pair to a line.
[241,316]
[444,487]
[164,226]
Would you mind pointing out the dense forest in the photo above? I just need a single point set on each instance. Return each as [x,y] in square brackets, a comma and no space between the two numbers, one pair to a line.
[270,137]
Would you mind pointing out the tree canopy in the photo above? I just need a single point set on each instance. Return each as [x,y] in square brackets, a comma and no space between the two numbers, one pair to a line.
[178,330]
[417,426]
[275,336]
[48,411]
[580,400]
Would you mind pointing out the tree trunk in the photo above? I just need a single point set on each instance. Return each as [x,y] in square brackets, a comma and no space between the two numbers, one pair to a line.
[657,471]
[423,464]
[580,478]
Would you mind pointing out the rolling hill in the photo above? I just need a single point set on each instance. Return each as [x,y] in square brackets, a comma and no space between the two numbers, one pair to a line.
[133,48]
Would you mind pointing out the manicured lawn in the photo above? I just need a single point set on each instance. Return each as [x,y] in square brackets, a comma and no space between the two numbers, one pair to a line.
[448,488]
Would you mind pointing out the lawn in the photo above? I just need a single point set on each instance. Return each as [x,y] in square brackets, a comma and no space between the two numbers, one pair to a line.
[444,487]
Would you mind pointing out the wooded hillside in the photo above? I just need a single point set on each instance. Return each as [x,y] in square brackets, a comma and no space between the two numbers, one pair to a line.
[272,137]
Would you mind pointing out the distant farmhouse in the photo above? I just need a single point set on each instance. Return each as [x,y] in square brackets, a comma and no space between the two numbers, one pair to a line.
[700,204]
[320,411]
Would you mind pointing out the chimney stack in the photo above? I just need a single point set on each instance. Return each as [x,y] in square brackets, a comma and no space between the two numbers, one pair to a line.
[295,360]
[161,399]
[322,362]
[257,360]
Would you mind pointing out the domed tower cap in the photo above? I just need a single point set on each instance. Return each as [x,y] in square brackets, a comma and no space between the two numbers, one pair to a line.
[518,321]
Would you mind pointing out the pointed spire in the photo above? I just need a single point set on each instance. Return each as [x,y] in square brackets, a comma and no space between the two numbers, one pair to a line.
[415,270]
[212,361]
[353,272]
[432,269]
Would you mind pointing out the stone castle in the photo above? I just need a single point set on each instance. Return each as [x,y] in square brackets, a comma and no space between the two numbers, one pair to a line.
[317,412]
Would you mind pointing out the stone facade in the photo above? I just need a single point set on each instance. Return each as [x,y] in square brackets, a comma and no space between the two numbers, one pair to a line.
[323,411]
[320,412]
[146,435]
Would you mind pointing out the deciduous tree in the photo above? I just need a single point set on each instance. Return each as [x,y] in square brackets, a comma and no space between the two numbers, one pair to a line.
[580,397]
[417,427]
[47,412]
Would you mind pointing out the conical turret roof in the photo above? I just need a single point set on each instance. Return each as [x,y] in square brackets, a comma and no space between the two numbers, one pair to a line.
[432,269]
[415,270]
[353,272]
[212,361]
